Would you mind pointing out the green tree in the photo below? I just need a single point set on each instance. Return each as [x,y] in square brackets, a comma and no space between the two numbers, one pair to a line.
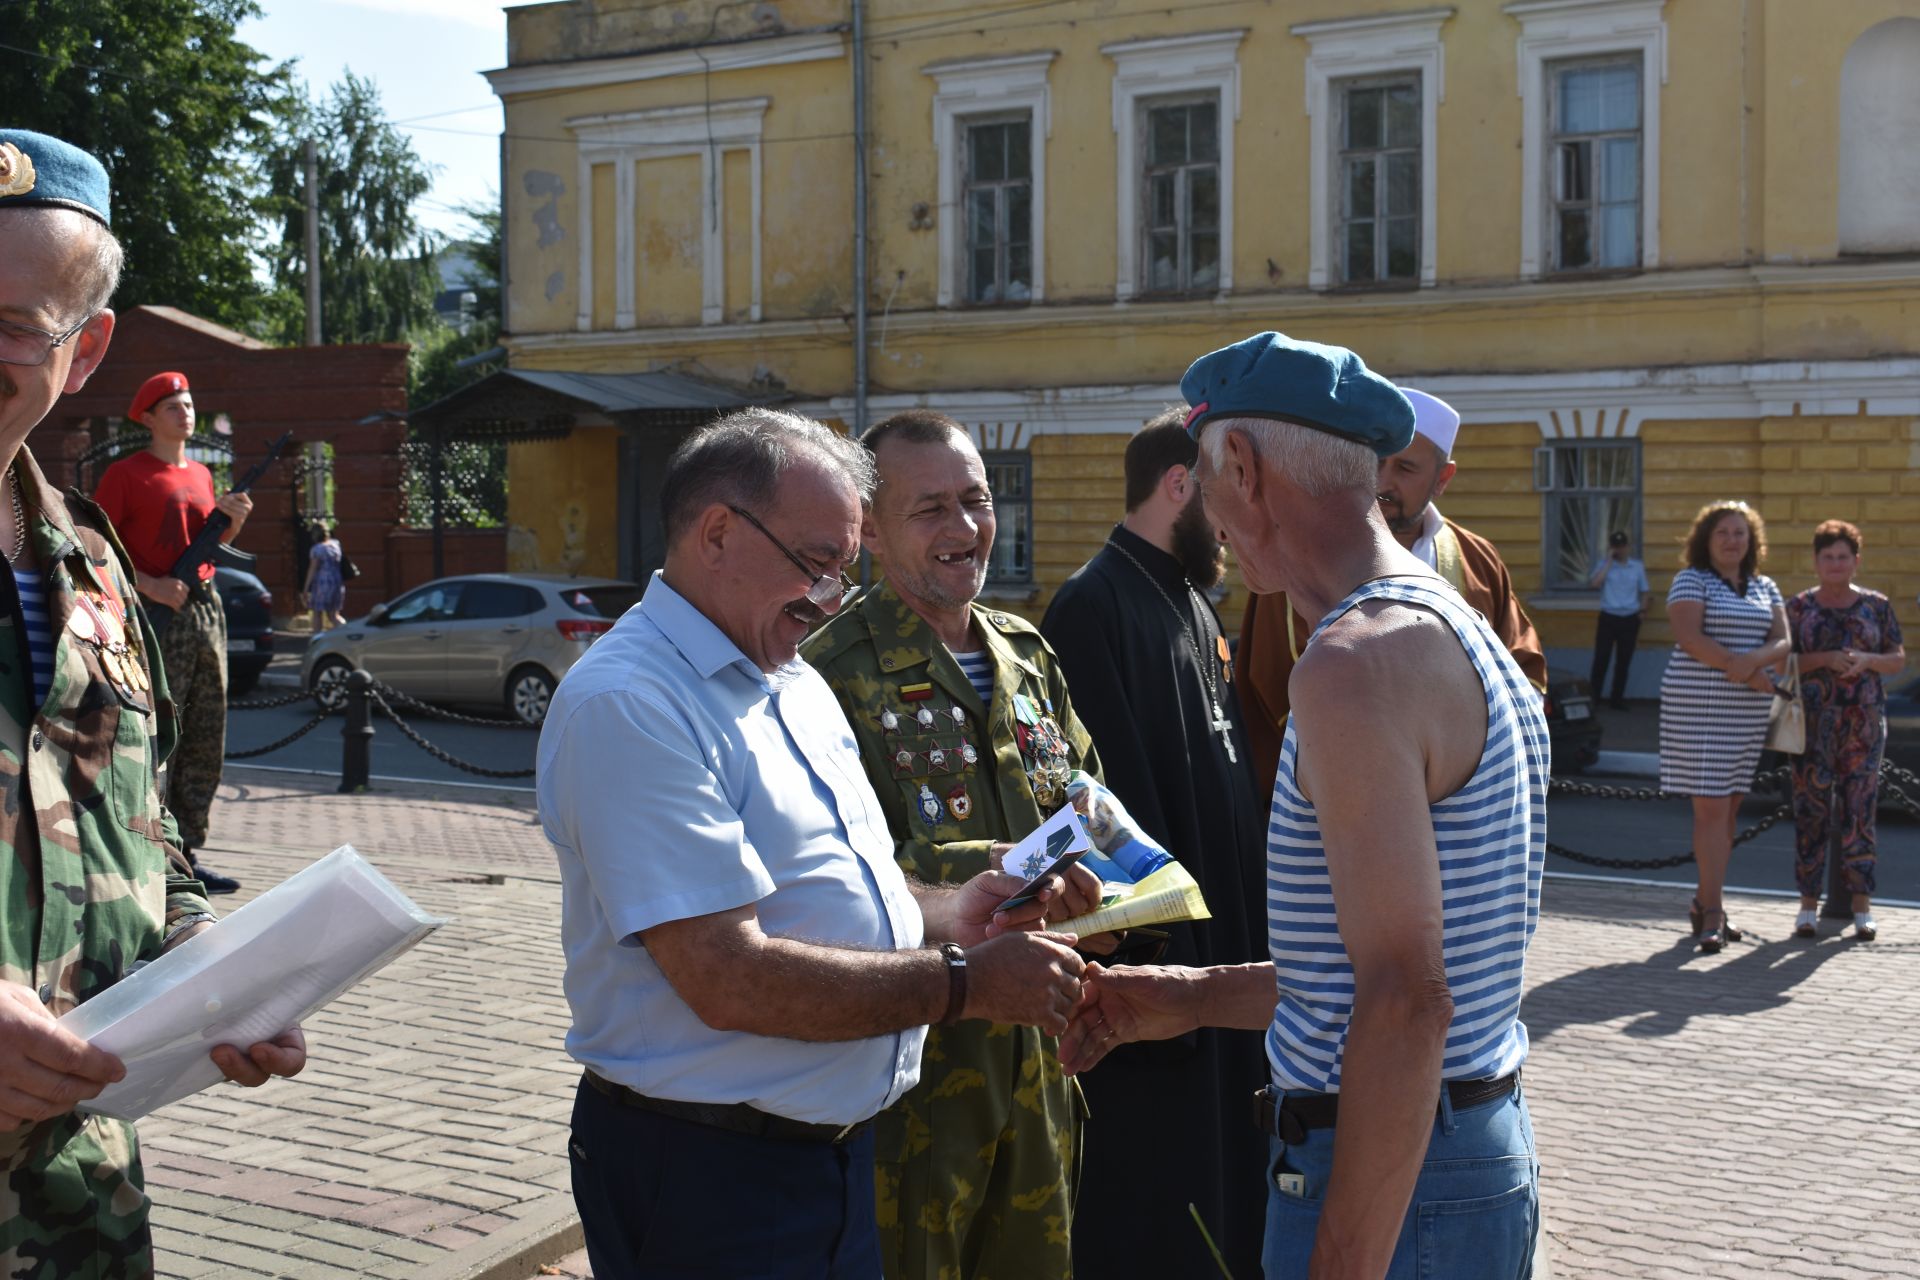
[178,110]
[377,277]
[438,367]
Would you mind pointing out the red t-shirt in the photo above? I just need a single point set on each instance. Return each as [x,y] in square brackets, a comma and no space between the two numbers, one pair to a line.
[156,508]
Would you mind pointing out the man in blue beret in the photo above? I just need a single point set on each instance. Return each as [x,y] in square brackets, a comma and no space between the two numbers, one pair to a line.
[1404,853]
[91,876]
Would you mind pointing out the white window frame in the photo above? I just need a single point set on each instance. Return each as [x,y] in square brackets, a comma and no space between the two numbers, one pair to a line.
[1350,49]
[623,139]
[988,87]
[1555,30]
[1208,62]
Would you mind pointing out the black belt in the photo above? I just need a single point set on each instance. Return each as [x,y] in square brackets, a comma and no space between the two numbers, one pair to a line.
[1299,1112]
[736,1117]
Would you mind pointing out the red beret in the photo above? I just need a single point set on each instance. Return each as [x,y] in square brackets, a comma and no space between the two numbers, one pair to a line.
[154,390]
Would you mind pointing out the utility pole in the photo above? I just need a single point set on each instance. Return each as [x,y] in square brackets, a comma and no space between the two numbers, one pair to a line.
[313,244]
[859,218]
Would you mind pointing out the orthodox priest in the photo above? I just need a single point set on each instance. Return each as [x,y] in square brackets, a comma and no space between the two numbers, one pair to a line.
[1272,633]
[1145,655]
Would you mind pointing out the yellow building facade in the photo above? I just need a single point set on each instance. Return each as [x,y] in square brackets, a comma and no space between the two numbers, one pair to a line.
[1655,251]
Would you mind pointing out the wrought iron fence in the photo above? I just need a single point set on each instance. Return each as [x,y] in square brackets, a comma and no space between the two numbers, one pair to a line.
[473,483]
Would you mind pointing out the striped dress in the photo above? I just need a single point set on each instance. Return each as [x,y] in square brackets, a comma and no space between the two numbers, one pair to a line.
[1492,838]
[1711,730]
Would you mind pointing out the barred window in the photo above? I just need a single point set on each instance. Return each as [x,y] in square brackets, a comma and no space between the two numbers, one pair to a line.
[1591,489]
[1010,480]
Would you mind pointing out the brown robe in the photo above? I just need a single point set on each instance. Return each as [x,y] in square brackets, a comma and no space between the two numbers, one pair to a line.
[1272,635]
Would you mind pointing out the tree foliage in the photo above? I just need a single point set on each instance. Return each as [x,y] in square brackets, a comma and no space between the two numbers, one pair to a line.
[436,369]
[179,110]
[377,276]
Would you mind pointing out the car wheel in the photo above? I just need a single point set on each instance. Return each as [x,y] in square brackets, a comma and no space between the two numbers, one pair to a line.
[329,684]
[529,690]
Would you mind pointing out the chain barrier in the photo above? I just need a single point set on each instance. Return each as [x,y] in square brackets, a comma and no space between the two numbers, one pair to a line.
[432,712]
[1781,778]
[270,704]
[289,740]
[444,757]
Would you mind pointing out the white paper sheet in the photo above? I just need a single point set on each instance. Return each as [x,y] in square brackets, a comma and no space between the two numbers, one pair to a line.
[262,969]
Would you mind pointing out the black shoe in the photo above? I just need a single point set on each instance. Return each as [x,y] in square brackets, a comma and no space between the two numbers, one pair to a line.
[214,882]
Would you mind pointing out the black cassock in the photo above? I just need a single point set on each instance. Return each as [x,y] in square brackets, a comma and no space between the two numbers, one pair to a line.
[1171,1122]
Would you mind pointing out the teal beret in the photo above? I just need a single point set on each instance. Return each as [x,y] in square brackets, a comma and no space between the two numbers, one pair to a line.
[1327,388]
[38,170]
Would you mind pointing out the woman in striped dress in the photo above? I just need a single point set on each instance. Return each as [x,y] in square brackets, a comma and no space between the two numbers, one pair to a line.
[1729,626]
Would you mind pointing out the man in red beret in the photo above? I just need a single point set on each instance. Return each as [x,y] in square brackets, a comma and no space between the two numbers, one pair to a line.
[158,499]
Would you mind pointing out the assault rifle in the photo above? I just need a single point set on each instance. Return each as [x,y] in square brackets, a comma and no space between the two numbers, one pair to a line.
[206,547]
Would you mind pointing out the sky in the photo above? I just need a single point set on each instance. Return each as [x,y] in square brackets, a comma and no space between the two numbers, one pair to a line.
[426,56]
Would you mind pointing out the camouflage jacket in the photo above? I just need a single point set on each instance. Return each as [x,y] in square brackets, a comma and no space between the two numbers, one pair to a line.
[953,774]
[91,873]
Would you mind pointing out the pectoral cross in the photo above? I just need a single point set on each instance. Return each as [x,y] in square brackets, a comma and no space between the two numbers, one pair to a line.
[1224,727]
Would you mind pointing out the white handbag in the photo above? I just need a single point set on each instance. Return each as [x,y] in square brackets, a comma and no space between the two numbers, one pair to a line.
[1787,718]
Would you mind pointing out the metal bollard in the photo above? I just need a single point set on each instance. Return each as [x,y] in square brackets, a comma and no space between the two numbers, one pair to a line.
[356,735]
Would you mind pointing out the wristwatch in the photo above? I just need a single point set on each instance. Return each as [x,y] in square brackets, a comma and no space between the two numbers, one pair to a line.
[956,959]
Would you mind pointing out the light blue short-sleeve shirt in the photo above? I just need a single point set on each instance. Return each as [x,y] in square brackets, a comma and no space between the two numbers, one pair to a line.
[677,779]
[1621,589]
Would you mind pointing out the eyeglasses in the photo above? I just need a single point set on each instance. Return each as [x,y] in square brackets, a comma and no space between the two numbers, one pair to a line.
[22,344]
[827,589]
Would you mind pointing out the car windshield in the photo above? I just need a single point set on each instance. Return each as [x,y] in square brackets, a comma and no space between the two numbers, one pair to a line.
[602,602]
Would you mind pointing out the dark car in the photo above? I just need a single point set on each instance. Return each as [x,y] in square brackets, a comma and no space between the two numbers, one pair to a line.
[1573,731]
[1903,727]
[249,607]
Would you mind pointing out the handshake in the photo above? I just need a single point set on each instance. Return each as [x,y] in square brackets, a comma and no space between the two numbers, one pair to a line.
[1017,972]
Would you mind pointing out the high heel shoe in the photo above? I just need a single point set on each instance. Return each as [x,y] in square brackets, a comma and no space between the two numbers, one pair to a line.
[1693,917]
[1713,930]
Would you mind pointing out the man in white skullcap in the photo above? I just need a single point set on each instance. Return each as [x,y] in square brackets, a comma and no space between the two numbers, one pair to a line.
[1272,635]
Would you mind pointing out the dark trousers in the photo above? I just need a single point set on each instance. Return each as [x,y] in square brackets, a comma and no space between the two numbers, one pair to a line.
[662,1198]
[1614,637]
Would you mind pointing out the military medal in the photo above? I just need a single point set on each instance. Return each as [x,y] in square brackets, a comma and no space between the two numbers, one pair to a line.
[902,761]
[959,803]
[929,805]
[937,759]
[925,717]
[80,622]
[1023,709]
[915,692]
[959,714]
[889,721]
[968,754]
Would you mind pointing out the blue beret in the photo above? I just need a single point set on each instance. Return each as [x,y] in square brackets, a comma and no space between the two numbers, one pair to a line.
[38,170]
[1273,376]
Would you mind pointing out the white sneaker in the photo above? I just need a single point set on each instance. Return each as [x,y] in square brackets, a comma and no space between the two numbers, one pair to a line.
[1864,927]
[1807,923]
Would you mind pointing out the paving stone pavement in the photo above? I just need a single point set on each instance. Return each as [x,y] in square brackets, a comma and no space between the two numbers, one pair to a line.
[429,1126]
[1744,1115]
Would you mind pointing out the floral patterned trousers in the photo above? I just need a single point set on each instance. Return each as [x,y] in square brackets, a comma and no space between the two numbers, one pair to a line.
[1836,790]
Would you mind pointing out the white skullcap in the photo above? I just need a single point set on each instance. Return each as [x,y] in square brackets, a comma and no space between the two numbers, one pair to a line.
[1433,418]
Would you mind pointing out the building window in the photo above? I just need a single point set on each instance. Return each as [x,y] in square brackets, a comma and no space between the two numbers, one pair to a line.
[997,195]
[1010,479]
[1379,138]
[1180,186]
[1595,154]
[1590,490]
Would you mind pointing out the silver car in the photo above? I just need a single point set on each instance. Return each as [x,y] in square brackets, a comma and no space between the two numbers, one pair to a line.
[486,639]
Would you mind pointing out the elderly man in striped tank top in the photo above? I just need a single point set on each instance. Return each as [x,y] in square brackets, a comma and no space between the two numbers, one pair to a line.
[1404,853]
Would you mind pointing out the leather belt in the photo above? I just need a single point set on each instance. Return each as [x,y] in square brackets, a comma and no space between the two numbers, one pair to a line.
[1298,1112]
[735,1117]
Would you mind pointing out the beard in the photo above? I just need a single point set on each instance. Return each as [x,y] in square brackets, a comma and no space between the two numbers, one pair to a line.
[1402,521]
[1202,556]
[923,587]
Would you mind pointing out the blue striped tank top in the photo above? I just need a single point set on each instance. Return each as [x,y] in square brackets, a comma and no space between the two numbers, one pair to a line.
[33,611]
[1491,835]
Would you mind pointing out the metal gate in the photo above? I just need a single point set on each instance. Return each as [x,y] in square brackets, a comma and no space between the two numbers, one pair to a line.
[214,451]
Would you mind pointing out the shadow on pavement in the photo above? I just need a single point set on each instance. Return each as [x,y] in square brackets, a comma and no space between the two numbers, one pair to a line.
[1675,984]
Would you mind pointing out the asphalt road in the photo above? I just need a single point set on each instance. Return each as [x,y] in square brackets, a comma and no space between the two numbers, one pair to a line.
[1661,828]
[393,756]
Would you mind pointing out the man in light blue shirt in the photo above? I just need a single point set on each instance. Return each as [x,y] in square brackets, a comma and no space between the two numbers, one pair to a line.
[745,960]
[1623,602]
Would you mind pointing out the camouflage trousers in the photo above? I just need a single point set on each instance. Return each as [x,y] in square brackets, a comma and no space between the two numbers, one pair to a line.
[74,1206]
[976,1168]
[194,650]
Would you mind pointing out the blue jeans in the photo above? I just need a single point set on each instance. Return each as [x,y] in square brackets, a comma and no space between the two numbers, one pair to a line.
[1475,1206]
[662,1198]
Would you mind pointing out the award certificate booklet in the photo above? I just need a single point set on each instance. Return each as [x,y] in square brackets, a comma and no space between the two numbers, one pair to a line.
[1054,845]
[255,973]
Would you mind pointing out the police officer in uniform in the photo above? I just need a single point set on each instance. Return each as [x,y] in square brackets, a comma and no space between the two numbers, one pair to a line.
[91,878]
[963,723]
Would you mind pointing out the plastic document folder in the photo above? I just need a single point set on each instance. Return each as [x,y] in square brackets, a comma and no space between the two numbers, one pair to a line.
[266,967]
